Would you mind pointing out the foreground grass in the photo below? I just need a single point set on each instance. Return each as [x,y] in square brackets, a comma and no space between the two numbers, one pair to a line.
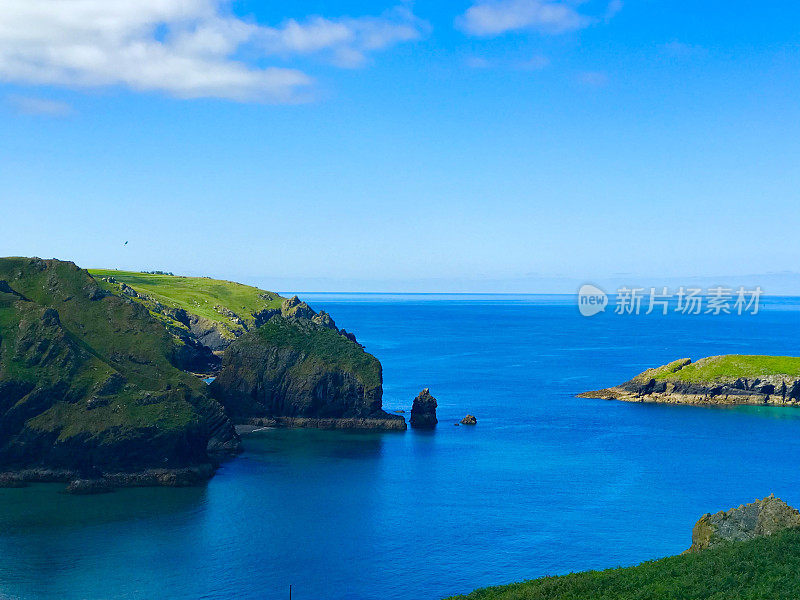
[731,367]
[197,295]
[763,568]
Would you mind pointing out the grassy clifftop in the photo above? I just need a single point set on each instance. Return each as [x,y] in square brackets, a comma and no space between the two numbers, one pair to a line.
[760,568]
[211,299]
[728,367]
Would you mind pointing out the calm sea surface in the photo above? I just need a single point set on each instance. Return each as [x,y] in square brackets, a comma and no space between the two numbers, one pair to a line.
[545,483]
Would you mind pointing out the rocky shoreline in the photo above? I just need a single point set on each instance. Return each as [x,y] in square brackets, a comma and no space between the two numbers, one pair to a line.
[388,423]
[80,483]
[664,385]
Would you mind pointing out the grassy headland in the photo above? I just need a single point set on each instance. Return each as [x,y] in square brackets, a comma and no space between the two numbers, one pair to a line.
[218,301]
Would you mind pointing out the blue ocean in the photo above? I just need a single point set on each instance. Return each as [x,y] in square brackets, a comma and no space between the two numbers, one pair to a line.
[546,483]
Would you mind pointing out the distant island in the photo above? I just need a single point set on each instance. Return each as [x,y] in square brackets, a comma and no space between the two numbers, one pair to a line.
[716,380]
[102,374]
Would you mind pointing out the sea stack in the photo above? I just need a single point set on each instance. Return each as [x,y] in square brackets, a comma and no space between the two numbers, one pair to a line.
[423,412]
[469,420]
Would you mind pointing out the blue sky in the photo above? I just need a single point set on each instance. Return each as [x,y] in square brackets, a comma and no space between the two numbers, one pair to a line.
[505,145]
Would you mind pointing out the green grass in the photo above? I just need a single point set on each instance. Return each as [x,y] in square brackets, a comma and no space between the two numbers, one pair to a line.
[730,367]
[763,568]
[196,295]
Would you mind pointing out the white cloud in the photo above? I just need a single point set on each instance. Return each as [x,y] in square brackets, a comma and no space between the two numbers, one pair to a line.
[592,79]
[26,105]
[678,49]
[613,8]
[494,17]
[347,41]
[537,63]
[478,62]
[186,48]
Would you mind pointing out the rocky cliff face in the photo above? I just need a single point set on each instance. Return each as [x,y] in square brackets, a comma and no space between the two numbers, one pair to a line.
[91,385]
[423,411]
[748,521]
[297,372]
[671,384]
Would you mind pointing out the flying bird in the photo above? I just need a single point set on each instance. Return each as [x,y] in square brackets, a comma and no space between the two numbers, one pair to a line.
[125,244]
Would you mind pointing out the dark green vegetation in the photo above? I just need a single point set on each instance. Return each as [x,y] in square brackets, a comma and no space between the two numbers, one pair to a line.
[323,348]
[761,568]
[727,367]
[91,383]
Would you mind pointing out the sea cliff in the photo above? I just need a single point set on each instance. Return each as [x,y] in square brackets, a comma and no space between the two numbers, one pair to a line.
[298,373]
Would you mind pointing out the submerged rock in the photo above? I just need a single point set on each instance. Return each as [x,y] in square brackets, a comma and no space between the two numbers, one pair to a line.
[423,412]
[83,487]
[469,420]
[757,519]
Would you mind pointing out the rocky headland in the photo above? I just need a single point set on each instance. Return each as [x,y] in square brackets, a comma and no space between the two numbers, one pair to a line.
[99,385]
[93,387]
[716,380]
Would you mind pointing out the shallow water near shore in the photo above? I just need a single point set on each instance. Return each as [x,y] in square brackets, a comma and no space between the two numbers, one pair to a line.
[544,484]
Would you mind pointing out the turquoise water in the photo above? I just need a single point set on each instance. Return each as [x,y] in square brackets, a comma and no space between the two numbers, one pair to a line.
[545,483]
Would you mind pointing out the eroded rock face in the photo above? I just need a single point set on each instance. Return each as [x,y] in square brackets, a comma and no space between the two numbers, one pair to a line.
[423,411]
[748,521]
[300,373]
[469,420]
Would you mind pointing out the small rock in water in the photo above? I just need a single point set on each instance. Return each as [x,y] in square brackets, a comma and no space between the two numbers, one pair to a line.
[423,412]
[469,420]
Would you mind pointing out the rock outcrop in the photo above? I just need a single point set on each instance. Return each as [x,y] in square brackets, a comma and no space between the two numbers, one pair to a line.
[469,420]
[299,373]
[716,380]
[748,521]
[423,411]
